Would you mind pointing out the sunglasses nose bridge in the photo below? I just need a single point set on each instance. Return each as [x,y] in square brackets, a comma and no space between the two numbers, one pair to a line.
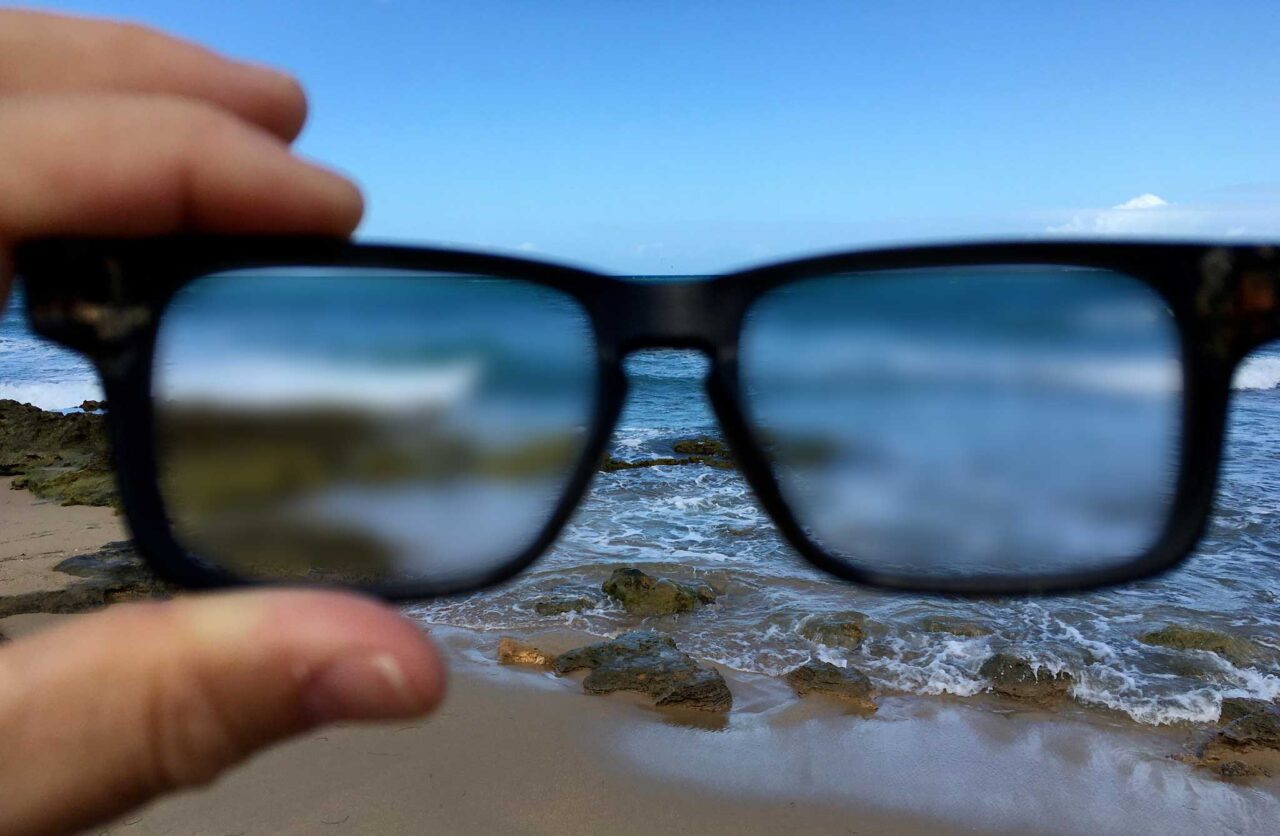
[669,314]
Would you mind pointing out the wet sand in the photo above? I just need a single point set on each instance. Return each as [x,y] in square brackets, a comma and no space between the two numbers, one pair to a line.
[517,750]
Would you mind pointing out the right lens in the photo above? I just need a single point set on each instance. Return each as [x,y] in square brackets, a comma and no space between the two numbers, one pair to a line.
[368,426]
[1018,421]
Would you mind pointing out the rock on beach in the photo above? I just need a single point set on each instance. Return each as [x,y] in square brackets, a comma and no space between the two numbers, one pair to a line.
[650,663]
[1015,677]
[642,594]
[815,677]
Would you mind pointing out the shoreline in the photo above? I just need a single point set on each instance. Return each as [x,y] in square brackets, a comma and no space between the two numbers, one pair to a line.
[517,749]
[522,751]
[526,752]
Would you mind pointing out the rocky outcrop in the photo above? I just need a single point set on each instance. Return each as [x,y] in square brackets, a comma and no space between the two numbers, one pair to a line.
[954,626]
[1247,742]
[559,603]
[711,452]
[852,686]
[1015,677]
[512,651]
[113,573]
[650,663]
[56,456]
[1256,730]
[1234,649]
[842,629]
[1240,769]
[1233,708]
[642,594]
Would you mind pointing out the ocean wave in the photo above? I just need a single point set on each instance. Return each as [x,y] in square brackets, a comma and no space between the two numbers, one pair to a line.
[1257,372]
[54,396]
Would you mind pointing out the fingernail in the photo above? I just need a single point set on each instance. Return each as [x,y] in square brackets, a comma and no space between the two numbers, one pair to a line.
[366,687]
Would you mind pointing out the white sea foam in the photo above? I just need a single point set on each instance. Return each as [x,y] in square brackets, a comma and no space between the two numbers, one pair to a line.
[52,395]
[263,382]
[1258,372]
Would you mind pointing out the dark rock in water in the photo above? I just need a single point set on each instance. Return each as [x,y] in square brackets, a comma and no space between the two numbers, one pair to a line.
[842,629]
[93,406]
[705,451]
[1013,676]
[56,456]
[825,678]
[1236,650]
[642,594]
[650,663]
[1240,769]
[612,465]
[704,446]
[512,651]
[954,626]
[1249,732]
[561,603]
[1233,708]
[1259,730]
[114,573]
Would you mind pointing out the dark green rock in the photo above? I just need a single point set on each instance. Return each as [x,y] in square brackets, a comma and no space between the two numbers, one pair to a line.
[842,629]
[559,604]
[1233,708]
[1015,677]
[846,684]
[954,626]
[642,594]
[1180,637]
[612,465]
[704,446]
[705,451]
[55,456]
[1260,730]
[650,663]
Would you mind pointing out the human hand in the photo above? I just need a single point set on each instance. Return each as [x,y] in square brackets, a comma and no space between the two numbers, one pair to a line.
[109,129]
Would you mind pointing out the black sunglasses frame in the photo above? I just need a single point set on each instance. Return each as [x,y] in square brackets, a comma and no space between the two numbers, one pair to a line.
[105,298]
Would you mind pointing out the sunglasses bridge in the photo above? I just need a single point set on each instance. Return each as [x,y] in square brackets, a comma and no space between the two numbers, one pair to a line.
[669,314]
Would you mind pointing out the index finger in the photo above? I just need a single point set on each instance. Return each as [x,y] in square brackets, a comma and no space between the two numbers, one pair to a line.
[48,53]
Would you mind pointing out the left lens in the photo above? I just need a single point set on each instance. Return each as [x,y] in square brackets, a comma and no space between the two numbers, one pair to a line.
[1016,421]
[368,426]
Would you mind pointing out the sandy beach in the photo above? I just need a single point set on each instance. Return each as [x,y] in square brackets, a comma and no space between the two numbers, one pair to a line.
[519,750]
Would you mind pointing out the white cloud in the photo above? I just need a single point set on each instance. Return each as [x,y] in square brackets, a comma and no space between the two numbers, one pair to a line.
[1143,201]
[1149,215]
[527,247]
[1138,215]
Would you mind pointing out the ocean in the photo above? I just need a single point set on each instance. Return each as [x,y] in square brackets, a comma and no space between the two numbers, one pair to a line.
[702,522]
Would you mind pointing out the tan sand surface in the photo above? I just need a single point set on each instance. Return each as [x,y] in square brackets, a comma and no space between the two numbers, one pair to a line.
[35,534]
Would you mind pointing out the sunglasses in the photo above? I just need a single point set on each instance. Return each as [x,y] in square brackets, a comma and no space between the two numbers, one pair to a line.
[975,419]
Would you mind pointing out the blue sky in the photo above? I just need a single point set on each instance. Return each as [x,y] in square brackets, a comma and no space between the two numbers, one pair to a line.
[694,136]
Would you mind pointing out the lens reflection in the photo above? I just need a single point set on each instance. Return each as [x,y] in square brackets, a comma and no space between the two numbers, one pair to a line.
[367,426]
[947,422]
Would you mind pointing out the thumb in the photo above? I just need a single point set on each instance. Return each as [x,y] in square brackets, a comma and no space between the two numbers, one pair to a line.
[102,714]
